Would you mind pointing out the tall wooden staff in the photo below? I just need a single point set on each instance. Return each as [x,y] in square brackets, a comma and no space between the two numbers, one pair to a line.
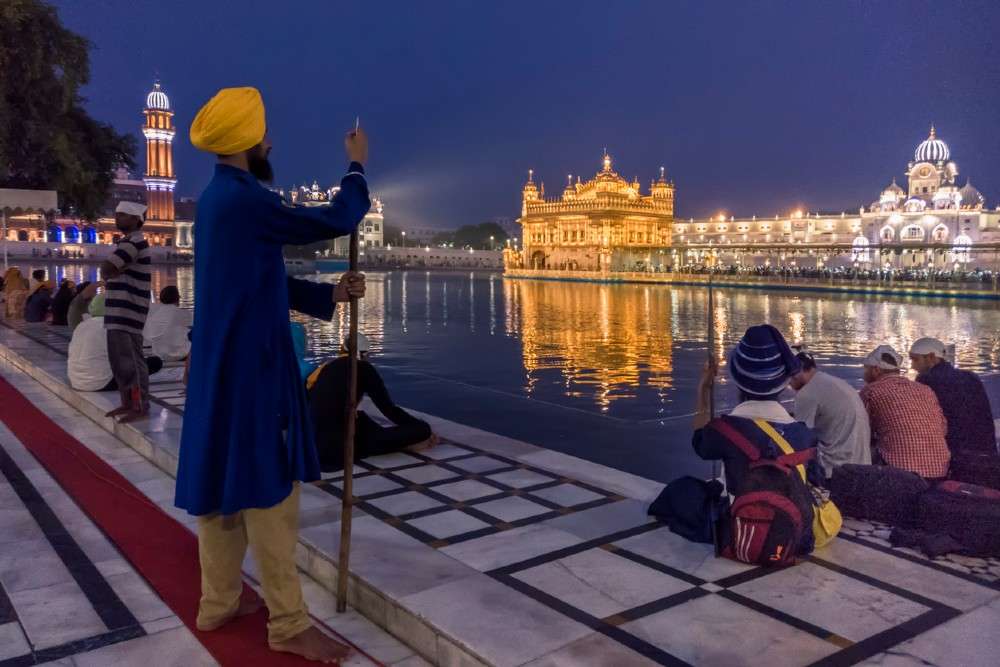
[711,397]
[352,410]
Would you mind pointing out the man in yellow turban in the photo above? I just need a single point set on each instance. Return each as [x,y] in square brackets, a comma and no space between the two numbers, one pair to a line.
[247,442]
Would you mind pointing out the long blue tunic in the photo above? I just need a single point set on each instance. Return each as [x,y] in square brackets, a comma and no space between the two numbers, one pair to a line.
[246,435]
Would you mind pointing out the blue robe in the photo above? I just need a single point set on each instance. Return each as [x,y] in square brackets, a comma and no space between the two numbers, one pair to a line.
[247,435]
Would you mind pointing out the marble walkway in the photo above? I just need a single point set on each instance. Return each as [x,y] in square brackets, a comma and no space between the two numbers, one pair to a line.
[488,550]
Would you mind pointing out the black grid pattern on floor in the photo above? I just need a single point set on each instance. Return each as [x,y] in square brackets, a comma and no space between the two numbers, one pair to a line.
[469,481]
[615,626]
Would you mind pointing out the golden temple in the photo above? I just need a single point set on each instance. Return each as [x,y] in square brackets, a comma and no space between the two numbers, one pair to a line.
[604,224]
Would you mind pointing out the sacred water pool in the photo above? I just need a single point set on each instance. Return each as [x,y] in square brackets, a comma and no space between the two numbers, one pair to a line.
[576,366]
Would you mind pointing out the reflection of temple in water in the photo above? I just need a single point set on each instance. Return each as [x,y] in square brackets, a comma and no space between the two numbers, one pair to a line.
[614,337]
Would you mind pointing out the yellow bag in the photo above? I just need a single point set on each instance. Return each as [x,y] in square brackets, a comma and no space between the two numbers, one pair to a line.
[827,519]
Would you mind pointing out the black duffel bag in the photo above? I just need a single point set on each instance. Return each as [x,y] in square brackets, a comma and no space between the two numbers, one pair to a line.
[970,514]
[690,506]
[980,468]
[877,493]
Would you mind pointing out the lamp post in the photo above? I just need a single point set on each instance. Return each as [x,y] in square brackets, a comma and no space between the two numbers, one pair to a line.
[492,247]
[404,238]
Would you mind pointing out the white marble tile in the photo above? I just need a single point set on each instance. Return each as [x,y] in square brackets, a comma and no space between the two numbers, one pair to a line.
[141,600]
[375,641]
[833,601]
[394,460]
[443,452]
[160,490]
[13,643]
[18,525]
[426,474]
[567,495]
[703,631]
[446,524]
[603,520]
[601,583]
[404,503]
[161,624]
[510,546]
[387,558]
[692,558]
[512,508]
[56,614]
[31,564]
[412,661]
[519,479]
[467,489]
[616,481]
[925,581]
[479,464]
[594,650]
[367,486]
[971,640]
[170,648]
[473,611]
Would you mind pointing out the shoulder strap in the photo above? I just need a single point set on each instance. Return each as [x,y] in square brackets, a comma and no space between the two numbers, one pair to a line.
[791,457]
[740,441]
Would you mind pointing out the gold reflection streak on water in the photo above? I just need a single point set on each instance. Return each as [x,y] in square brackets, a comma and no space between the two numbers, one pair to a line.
[630,343]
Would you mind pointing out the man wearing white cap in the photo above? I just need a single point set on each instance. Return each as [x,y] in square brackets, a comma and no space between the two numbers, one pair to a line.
[126,304]
[961,395]
[907,425]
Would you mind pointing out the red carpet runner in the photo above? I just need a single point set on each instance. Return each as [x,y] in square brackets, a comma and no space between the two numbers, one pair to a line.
[158,547]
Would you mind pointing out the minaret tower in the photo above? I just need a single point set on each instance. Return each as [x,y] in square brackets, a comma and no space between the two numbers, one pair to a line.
[159,177]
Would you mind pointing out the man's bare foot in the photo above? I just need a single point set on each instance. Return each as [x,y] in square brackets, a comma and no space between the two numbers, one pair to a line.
[248,605]
[118,411]
[312,644]
[133,415]
[425,444]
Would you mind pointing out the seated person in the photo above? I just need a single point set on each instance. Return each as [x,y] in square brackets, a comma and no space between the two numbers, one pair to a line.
[39,303]
[328,393]
[761,366]
[907,425]
[60,302]
[88,367]
[833,409]
[961,396]
[78,307]
[167,326]
[37,278]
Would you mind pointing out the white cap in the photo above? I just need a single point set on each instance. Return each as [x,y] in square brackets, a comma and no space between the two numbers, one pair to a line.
[131,208]
[928,346]
[880,358]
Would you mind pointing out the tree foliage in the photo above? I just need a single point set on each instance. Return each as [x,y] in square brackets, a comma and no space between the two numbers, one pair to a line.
[47,139]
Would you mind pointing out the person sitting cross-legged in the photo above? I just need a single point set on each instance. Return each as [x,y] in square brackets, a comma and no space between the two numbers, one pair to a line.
[167,326]
[907,425]
[961,395]
[328,388]
[88,365]
[761,366]
[834,410]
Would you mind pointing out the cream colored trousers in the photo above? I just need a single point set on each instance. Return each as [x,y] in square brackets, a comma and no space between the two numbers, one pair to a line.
[272,533]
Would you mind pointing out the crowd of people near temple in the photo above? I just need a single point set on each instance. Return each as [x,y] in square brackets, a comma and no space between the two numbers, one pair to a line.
[970,276]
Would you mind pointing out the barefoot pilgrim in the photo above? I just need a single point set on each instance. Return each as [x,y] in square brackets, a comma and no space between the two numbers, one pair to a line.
[247,441]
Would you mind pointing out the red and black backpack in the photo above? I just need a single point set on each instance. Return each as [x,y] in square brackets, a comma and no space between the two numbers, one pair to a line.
[772,515]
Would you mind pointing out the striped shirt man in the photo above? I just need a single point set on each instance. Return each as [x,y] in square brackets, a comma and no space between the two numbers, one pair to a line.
[127,297]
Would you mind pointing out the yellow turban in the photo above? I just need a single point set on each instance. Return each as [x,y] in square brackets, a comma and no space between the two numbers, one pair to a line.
[230,123]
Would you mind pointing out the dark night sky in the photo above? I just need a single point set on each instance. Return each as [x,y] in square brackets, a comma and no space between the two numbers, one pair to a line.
[753,107]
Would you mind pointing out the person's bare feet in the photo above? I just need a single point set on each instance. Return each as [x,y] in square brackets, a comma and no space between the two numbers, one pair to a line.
[312,644]
[425,444]
[133,415]
[118,411]
[248,605]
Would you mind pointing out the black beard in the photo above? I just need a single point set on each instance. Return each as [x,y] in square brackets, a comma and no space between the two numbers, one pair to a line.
[260,168]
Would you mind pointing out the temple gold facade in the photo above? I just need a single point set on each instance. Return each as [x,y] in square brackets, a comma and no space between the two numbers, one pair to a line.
[604,224]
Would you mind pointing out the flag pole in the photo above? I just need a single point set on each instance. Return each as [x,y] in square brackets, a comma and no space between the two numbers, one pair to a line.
[352,409]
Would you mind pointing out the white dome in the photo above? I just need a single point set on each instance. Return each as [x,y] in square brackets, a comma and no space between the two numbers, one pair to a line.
[157,99]
[932,149]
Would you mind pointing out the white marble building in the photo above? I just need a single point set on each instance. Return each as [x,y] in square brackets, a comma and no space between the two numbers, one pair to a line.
[933,210]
